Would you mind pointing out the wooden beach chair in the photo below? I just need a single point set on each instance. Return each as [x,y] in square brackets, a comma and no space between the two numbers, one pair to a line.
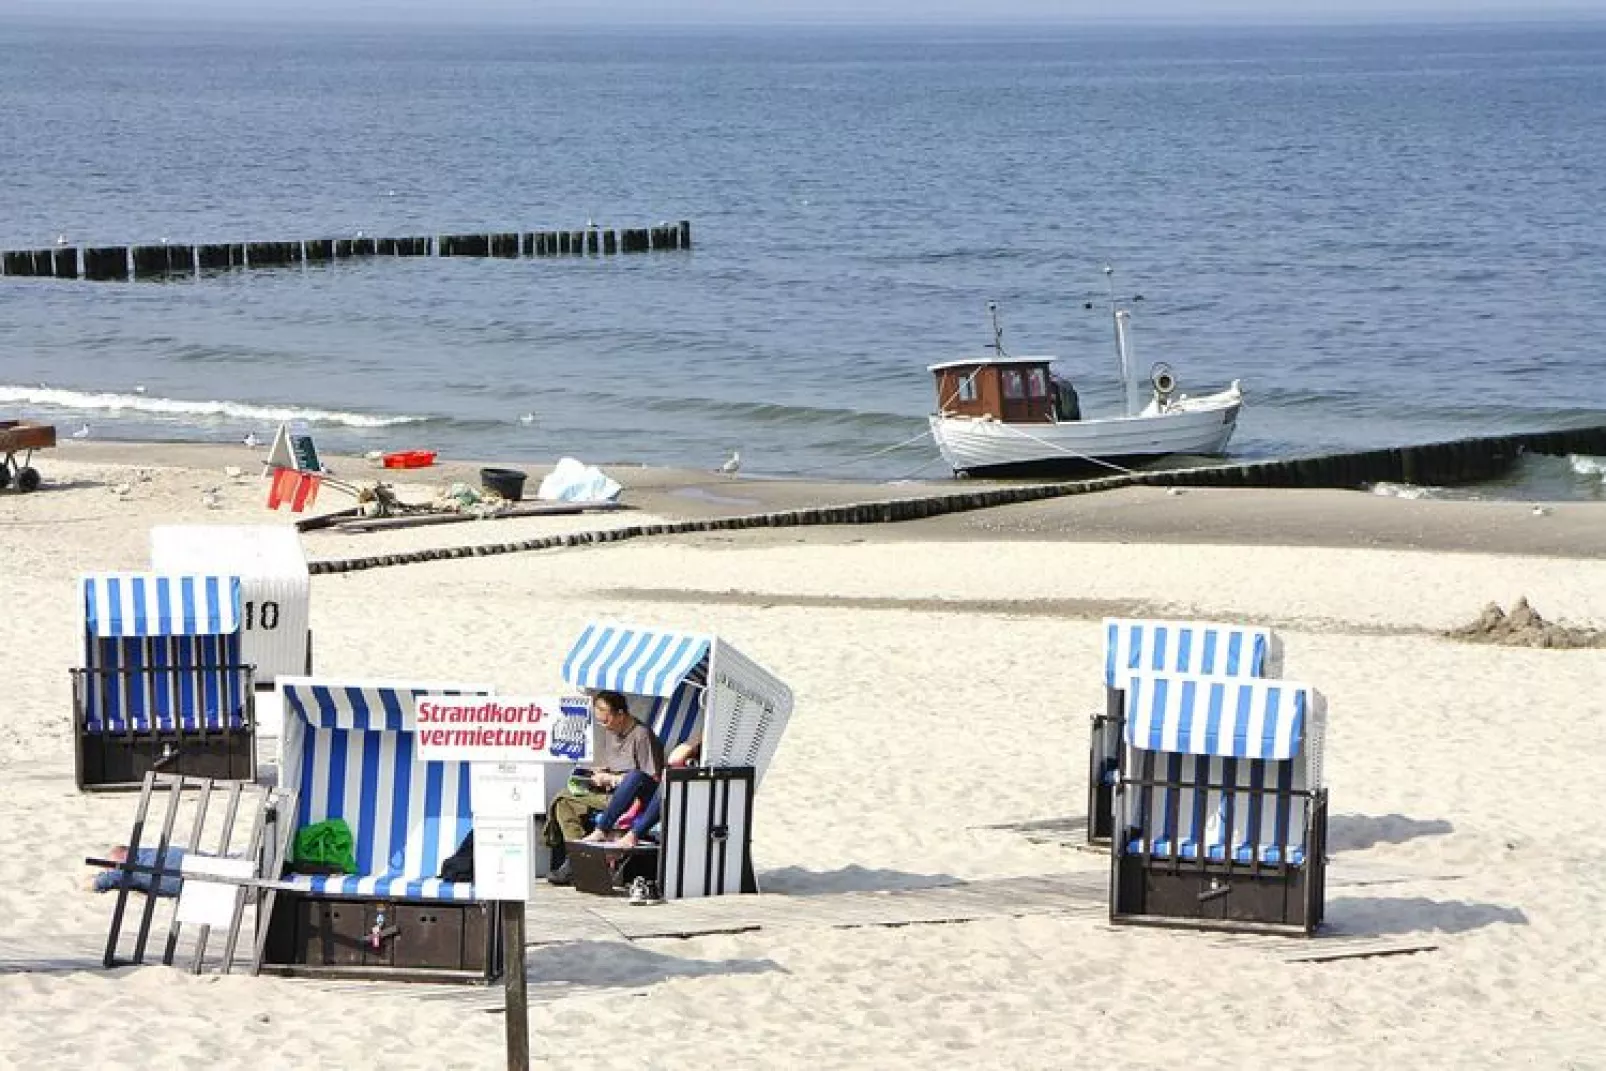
[1220,809]
[163,686]
[1174,646]
[348,751]
[689,686]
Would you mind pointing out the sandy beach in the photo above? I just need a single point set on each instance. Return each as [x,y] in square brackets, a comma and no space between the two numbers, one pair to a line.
[944,671]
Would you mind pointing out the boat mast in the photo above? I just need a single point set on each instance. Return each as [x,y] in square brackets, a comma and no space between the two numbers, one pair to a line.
[1120,316]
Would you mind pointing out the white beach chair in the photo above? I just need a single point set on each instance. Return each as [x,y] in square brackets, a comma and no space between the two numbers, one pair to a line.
[692,687]
[1174,646]
[348,751]
[1220,809]
[163,686]
[275,587]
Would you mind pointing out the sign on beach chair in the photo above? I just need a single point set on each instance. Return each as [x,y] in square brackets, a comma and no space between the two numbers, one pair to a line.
[349,750]
[163,686]
[1173,646]
[694,687]
[1220,810]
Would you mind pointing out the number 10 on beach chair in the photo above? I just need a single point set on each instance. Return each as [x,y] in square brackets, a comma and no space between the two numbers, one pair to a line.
[1221,816]
[1173,646]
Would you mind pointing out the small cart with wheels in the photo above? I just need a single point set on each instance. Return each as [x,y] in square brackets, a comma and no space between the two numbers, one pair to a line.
[21,437]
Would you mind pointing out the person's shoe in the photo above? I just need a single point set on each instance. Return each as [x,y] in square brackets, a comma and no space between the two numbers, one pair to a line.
[563,875]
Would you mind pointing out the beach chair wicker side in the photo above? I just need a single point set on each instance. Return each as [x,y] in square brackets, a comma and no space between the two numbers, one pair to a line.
[1221,814]
[748,711]
[1204,647]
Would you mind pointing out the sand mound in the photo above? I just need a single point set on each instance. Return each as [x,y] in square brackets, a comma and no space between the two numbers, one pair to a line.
[1523,627]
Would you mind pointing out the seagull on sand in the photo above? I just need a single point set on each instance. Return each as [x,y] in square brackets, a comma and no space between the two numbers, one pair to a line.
[733,464]
[251,439]
[81,433]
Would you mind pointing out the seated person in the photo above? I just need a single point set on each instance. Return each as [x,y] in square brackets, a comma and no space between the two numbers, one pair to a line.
[109,880]
[624,746]
[683,755]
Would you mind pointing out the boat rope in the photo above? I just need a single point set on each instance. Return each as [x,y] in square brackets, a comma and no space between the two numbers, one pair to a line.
[1067,451]
[925,434]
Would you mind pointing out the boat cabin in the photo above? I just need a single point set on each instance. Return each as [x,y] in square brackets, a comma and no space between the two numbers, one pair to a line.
[1015,390]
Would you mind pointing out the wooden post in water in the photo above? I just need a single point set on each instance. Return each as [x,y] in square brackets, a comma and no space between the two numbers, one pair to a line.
[66,265]
[212,257]
[516,997]
[106,262]
[342,248]
[610,243]
[593,243]
[149,260]
[685,234]
[44,262]
[319,249]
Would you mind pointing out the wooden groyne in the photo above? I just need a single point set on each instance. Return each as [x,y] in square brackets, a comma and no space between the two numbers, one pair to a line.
[117,263]
[1459,461]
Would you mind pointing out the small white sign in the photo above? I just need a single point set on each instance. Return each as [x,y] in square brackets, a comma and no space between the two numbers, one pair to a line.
[503,860]
[210,903]
[466,728]
[514,789]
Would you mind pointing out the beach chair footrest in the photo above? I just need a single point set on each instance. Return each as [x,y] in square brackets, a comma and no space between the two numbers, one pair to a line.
[121,760]
[374,937]
[605,871]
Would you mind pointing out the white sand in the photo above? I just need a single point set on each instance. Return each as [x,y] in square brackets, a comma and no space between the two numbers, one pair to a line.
[915,724]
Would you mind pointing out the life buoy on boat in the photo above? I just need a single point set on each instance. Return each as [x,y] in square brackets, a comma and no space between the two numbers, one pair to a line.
[1164,380]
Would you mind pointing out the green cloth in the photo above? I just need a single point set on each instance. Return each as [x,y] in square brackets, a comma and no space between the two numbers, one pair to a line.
[327,845]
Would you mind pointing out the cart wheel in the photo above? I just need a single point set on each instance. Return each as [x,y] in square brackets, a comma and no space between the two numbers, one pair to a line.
[28,479]
[5,476]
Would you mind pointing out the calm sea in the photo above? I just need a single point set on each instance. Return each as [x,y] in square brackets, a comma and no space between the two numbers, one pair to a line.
[1390,236]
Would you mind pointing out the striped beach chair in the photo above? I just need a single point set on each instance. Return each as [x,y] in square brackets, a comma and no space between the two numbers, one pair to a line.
[348,751]
[1174,646]
[162,687]
[1220,807]
[693,687]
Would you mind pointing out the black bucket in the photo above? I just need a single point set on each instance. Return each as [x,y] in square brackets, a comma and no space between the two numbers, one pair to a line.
[509,483]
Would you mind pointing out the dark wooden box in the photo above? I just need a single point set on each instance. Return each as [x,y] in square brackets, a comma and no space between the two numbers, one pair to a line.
[121,760]
[419,940]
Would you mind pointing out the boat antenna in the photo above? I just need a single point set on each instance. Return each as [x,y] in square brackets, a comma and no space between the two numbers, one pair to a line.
[998,329]
[1118,316]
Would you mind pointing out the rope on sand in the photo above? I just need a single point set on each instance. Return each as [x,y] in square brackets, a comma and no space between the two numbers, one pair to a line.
[884,512]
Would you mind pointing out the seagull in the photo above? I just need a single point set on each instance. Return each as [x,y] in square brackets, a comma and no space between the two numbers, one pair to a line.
[210,499]
[140,389]
[251,439]
[733,465]
[61,239]
[527,418]
[81,433]
[1540,511]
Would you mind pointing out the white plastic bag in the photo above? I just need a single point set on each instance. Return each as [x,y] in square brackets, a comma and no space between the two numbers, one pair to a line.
[573,481]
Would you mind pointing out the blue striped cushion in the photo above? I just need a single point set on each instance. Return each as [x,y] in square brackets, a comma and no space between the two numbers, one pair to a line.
[387,885]
[1269,853]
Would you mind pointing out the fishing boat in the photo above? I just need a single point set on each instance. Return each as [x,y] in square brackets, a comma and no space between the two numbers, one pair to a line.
[1002,415]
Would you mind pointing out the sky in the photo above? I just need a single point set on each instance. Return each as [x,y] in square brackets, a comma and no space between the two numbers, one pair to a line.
[693,12]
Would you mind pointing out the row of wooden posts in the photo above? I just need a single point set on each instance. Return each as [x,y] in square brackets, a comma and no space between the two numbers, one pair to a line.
[119,263]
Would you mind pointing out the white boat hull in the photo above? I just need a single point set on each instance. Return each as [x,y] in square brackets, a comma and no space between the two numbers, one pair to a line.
[979,444]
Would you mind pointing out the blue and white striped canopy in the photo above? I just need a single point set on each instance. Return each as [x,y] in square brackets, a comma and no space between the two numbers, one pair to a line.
[1183,647]
[1233,717]
[149,604]
[372,705]
[632,660]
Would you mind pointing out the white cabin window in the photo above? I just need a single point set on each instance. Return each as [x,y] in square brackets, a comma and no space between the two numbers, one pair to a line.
[1014,387]
[967,387]
[1037,383]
